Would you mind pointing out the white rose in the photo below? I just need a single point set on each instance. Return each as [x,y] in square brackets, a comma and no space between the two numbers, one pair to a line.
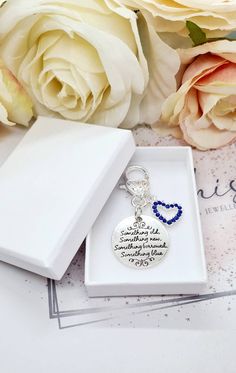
[15,104]
[87,60]
[215,17]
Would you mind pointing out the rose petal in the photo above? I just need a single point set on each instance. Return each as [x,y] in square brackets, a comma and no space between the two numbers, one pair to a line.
[159,68]
[203,64]
[205,139]
[16,106]
[222,48]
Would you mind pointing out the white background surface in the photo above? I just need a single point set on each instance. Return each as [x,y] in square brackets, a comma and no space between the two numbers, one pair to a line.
[197,335]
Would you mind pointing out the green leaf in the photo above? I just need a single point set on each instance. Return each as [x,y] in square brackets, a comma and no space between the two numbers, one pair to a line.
[196,34]
[231,36]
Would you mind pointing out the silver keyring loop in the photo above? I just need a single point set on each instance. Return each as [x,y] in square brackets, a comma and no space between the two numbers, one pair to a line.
[137,186]
[135,168]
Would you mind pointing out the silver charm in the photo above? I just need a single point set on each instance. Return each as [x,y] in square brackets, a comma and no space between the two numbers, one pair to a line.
[139,241]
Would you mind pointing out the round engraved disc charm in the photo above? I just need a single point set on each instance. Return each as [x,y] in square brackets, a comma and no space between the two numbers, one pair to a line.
[140,243]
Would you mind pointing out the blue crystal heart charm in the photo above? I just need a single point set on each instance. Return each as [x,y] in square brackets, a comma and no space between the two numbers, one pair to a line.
[160,204]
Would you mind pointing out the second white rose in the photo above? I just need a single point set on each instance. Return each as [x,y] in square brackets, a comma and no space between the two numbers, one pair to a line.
[88,61]
[216,17]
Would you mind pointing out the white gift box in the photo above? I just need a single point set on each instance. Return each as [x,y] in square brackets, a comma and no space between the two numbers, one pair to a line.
[52,188]
[183,270]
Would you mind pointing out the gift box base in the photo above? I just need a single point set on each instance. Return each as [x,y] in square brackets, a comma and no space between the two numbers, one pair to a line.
[183,270]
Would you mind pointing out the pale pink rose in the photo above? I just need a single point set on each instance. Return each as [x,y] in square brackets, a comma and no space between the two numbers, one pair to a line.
[203,110]
[15,104]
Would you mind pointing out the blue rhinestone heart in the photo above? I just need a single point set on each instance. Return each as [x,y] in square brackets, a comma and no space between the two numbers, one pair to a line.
[169,207]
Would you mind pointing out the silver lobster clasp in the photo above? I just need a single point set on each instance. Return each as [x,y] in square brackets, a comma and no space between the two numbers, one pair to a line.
[138,185]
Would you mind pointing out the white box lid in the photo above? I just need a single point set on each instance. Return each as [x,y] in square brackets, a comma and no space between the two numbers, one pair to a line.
[52,188]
